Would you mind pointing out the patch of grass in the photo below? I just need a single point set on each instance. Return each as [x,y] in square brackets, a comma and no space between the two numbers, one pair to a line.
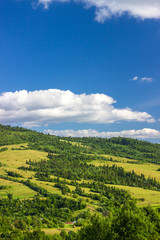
[22,145]
[75,143]
[144,196]
[119,159]
[48,186]
[51,231]
[17,189]
[12,159]
[148,169]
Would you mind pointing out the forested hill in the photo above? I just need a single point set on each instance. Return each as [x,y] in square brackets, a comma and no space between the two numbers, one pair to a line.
[81,184]
[121,147]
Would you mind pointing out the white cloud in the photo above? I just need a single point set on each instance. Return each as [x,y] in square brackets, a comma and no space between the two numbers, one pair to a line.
[134,78]
[143,9]
[146,79]
[142,79]
[144,133]
[54,106]
[46,3]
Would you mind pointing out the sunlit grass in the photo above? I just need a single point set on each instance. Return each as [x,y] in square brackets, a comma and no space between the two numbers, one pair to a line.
[119,159]
[17,189]
[75,143]
[144,196]
[48,186]
[148,169]
[52,231]
[12,159]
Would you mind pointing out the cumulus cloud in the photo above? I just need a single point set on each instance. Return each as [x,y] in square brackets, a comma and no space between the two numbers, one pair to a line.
[144,133]
[143,9]
[142,79]
[55,106]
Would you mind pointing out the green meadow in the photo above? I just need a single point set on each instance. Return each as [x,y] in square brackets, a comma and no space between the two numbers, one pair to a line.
[18,190]
[13,159]
[148,169]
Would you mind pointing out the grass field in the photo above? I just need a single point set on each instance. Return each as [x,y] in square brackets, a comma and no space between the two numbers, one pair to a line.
[48,186]
[17,189]
[144,196]
[52,231]
[75,143]
[12,159]
[119,159]
[148,169]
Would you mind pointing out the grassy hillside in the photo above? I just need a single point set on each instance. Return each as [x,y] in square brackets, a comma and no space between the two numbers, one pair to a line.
[46,181]
[120,147]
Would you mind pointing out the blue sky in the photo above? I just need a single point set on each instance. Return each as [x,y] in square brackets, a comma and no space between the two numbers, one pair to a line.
[105,53]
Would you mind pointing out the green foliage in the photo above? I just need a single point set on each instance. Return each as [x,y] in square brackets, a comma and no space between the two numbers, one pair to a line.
[63,234]
[18,235]
[130,223]
[133,224]
[3,149]
[63,187]
[10,196]
[98,229]
[3,187]
[14,174]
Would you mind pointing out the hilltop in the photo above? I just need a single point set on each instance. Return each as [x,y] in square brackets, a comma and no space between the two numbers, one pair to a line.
[120,147]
